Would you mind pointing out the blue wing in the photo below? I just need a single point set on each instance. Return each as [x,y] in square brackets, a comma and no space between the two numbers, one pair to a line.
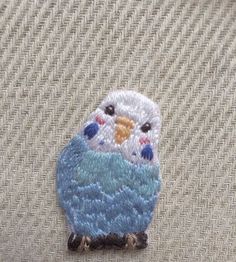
[103,193]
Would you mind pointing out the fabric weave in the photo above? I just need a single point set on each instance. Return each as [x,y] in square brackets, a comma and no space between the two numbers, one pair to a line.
[58,59]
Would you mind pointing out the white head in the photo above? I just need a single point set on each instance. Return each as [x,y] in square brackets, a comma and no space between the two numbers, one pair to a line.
[125,122]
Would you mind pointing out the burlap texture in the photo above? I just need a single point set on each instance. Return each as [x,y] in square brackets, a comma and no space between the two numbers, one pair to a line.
[60,58]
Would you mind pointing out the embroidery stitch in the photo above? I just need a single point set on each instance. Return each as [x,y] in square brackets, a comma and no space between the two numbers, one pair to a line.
[108,177]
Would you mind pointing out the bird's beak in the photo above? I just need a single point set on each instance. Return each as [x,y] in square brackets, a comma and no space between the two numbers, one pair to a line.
[123,129]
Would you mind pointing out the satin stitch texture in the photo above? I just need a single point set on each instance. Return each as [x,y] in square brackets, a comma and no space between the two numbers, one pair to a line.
[108,176]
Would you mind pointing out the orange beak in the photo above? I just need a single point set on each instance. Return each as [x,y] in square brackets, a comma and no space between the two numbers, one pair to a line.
[123,129]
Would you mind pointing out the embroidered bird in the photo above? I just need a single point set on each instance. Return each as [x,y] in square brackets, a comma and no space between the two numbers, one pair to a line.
[108,177]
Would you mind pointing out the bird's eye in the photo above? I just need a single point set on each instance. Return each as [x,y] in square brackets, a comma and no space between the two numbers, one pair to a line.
[110,110]
[146,127]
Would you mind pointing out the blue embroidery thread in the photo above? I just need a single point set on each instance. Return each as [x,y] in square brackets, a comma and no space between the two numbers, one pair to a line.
[91,130]
[108,179]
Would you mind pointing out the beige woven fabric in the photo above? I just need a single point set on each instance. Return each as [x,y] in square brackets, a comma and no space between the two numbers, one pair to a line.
[60,58]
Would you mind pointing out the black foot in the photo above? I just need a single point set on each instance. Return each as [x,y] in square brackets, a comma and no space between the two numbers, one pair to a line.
[110,241]
[141,240]
[74,241]
[129,241]
[136,240]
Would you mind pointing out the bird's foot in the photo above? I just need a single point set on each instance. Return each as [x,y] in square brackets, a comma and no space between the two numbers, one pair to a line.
[129,241]
[136,240]
[76,242]
[85,243]
[111,240]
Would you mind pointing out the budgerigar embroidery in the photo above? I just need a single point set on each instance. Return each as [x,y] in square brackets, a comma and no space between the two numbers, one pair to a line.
[108,178]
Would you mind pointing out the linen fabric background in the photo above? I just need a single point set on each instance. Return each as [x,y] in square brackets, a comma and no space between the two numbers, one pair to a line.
[60,58]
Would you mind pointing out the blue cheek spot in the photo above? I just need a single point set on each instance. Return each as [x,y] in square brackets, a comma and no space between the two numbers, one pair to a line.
[101,142]
[147,153]
[91,130]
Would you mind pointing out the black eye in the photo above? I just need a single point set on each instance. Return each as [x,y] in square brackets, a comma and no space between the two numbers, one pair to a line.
[146,127]
[110,110]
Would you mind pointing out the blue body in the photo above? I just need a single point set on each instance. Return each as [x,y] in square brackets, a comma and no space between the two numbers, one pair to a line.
[103,193]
